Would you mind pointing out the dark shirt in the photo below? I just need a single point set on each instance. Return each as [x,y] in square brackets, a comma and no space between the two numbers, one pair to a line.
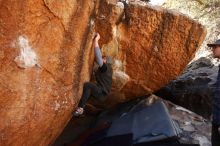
[216,101]
[104,77]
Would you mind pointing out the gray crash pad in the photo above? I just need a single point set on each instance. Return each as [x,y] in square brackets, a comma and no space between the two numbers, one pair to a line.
[146,123]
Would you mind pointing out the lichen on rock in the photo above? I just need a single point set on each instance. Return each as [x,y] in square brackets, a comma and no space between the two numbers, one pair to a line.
[27,57]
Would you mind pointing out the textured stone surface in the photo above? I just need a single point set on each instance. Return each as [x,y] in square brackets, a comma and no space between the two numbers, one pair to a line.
[194,88]
[43,64]
[46,55]
[150,45]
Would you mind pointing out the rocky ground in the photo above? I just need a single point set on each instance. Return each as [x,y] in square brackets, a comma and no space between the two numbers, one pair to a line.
[195,129]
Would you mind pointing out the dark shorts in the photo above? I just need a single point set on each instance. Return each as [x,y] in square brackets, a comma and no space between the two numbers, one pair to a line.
[91,90]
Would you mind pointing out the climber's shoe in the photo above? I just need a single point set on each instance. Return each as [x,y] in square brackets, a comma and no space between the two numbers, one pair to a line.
[78,112]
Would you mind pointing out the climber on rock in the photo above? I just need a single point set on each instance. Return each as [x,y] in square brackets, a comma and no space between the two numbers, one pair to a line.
[103,76]
[216,99]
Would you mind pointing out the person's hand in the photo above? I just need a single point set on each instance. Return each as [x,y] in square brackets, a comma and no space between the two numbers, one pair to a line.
[97,37]
[219,130]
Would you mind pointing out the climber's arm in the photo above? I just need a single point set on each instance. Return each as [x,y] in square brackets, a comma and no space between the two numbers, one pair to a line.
[98,54]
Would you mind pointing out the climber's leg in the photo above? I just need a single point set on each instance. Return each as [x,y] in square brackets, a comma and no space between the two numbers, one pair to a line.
[89,89]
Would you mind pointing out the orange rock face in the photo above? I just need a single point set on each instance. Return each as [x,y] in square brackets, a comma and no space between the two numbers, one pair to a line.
[46,55]
[150,46]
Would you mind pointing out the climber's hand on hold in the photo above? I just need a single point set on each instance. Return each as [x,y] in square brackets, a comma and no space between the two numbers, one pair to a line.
[98,53]
[97,37]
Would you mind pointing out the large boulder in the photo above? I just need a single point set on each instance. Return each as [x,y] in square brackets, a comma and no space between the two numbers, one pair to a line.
[194,88]
[46,55]
[45,59]
[150,45]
